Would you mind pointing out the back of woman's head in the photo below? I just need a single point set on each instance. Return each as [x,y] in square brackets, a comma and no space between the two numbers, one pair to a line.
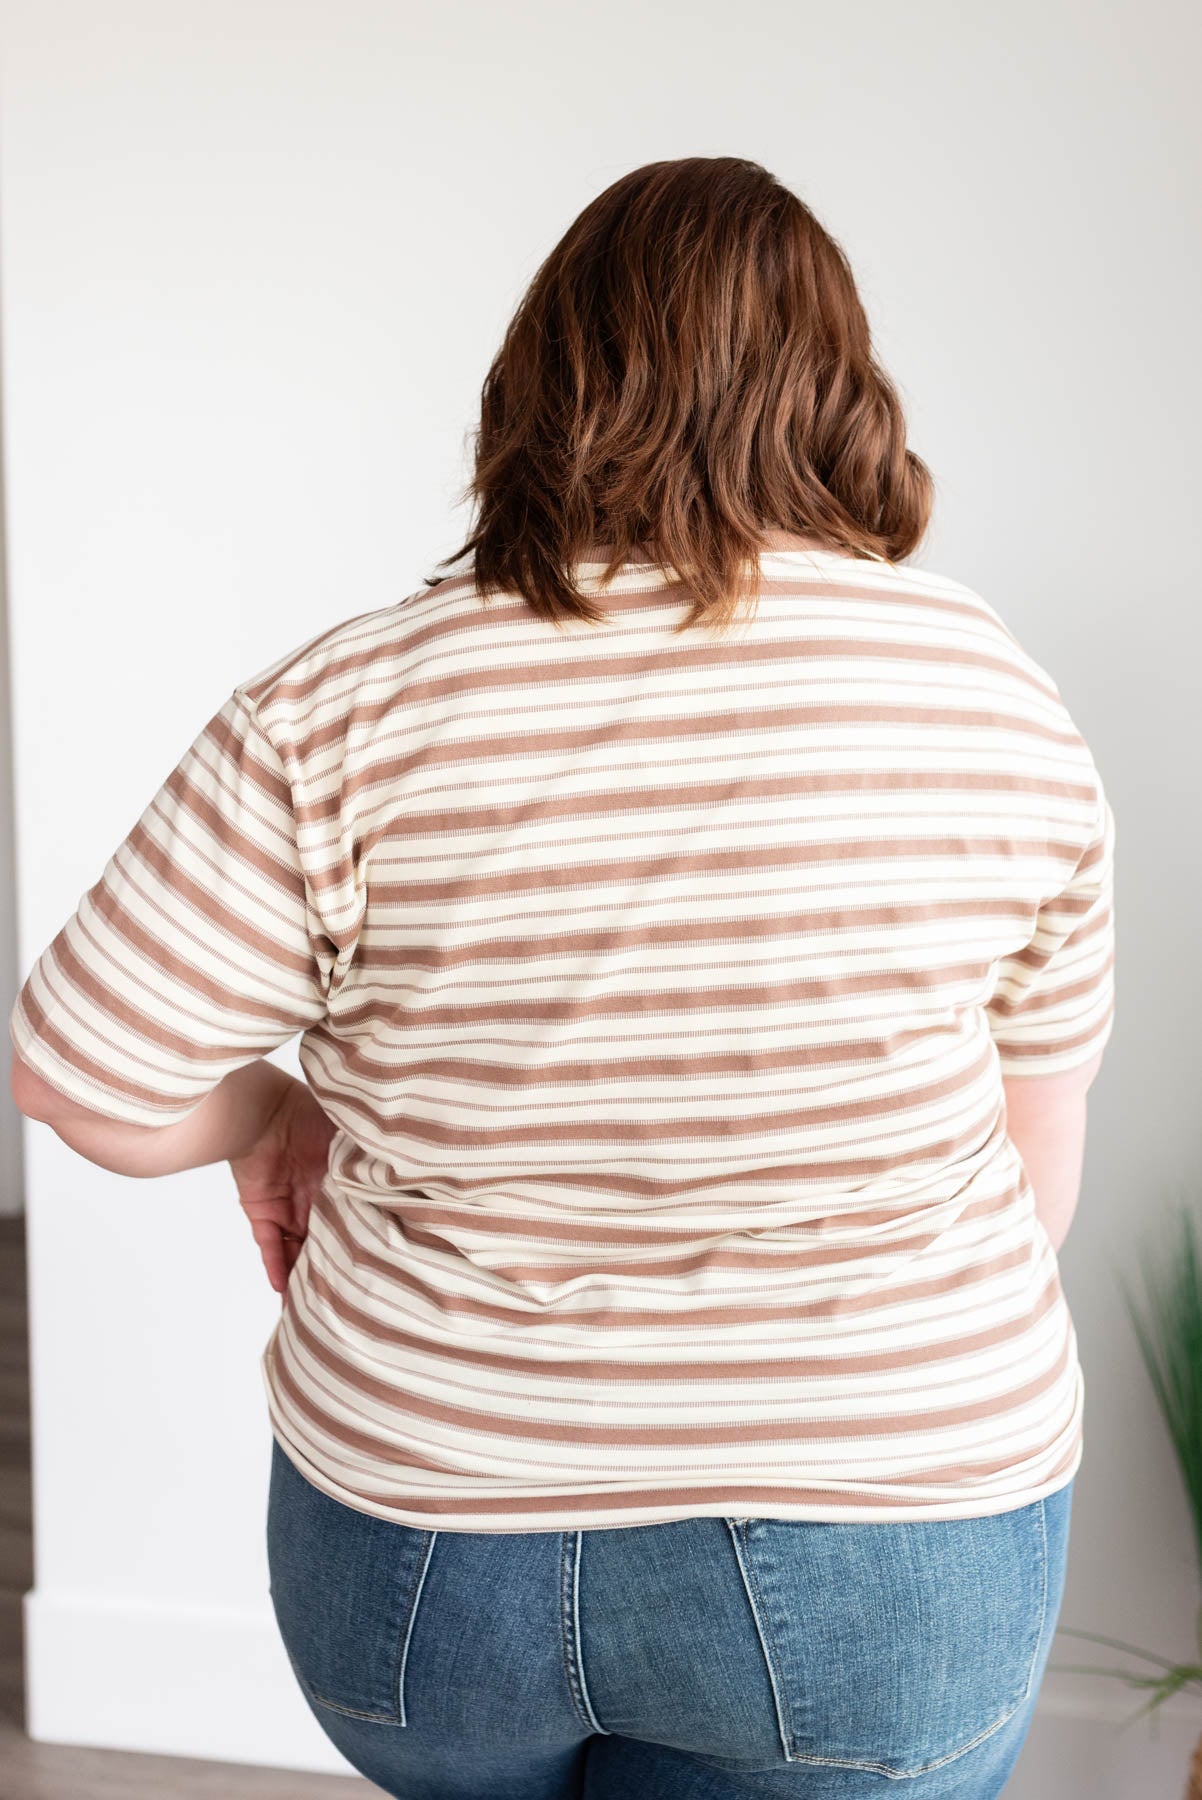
[689,370]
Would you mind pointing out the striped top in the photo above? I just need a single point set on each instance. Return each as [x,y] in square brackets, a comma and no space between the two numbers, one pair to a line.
[660,986]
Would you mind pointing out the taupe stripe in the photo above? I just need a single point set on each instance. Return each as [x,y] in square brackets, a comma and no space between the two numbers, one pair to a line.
[543,878]
[331,673]
[136,1020]
[639,1064]
[747,995]
[202,910]
[605,1369]
[411,1129]
[660,990]
[672,1257]
[88,1066]
[854,1226]
[649,802]
[225,836]
[452,754]
[404,1279]
[731,1493]
[379,953]
[604,1183]
[410,1405]
[811,1114]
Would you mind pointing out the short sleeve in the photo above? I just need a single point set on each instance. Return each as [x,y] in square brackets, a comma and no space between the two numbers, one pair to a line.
[197,950]
[1052,1006]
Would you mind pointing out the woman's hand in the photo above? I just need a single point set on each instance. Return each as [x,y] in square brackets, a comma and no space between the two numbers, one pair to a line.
[264,1122]
[279,1175]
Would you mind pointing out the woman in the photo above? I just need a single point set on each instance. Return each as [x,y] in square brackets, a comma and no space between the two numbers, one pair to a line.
[700,925]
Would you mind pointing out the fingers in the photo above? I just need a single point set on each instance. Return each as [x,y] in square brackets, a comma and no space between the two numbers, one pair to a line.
[288,1211]
[292,1249]
[288,1252]
[272,1209]
[279,1224]
[279,1250]
[275,1261]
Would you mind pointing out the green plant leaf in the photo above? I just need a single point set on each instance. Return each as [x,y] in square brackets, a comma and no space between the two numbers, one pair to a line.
[1128,1675]
[1163,1689]
[1168,1330]
[1098,1637]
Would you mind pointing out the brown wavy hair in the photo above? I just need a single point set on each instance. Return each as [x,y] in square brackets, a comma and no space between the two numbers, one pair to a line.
[689,372]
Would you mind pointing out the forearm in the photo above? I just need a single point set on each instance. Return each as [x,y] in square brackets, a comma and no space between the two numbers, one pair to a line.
[225,1125]
[1046,1119]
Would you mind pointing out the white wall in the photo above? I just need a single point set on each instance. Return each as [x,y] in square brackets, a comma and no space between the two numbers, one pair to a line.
[12,1174]
[256,256]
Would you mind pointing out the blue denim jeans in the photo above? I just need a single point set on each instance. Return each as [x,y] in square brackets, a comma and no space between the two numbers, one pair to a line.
[692,1660]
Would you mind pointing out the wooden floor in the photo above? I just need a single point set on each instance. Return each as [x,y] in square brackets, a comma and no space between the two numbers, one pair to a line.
[30,1771]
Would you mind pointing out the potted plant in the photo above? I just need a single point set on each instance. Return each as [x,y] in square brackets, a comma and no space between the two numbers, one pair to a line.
[1169,1332]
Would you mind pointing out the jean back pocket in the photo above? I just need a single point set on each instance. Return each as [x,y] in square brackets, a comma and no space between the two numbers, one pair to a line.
[893,1647]
[345,1587]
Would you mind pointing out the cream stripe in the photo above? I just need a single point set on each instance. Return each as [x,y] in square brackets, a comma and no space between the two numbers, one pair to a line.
[660,990]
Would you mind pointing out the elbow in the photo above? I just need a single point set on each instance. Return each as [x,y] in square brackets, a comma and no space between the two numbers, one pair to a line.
[123,1149]
[1066,1084]
[32,1094]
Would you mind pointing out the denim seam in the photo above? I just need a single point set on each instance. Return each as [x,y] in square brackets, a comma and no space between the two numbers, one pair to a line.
[768,1654]
[1043,1610]
[320,1699]
[413,1606]
[569,1607]
[597,1725]
[307,1688]
[896,1774]
[349,1712]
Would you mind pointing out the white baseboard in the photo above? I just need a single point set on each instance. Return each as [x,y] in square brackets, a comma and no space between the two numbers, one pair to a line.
[215,1684]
